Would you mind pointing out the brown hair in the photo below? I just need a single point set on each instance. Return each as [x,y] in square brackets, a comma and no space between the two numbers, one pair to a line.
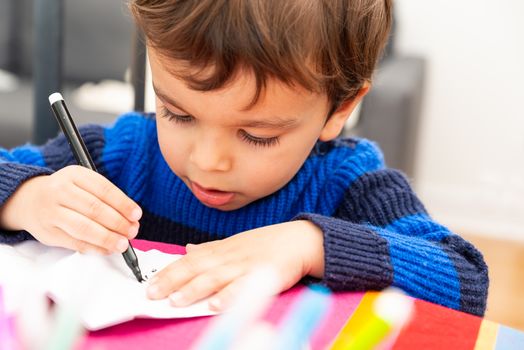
[328,46]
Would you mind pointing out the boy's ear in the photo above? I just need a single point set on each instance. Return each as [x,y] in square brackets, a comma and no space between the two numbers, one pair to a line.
[337,120]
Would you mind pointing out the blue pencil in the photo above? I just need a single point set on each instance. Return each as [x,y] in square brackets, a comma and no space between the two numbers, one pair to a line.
[303,318]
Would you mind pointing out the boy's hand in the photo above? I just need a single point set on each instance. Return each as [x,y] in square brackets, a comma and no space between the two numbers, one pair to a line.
[75,208]
[294,249]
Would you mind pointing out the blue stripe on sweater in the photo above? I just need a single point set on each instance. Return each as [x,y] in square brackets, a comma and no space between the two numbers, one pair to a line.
[336,176]
[442,286]
[420,225]
[123,156]
[27,154]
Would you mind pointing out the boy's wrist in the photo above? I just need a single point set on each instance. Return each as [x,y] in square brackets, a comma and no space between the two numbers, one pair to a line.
[12,210]
[314,254]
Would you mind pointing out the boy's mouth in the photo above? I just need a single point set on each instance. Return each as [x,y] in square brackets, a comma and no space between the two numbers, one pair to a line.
[211,197]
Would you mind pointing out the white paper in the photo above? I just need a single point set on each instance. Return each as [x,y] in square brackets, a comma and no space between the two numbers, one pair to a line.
[102,289]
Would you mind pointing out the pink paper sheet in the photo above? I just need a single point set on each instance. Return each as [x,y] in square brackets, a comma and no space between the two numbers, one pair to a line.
[181,333]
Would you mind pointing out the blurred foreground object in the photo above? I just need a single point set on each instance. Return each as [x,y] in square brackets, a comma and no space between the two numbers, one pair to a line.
[386,314]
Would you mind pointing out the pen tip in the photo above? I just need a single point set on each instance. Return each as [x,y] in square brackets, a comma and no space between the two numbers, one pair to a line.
[138,275]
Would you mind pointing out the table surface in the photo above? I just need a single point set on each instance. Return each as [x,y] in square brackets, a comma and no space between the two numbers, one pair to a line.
[432,326]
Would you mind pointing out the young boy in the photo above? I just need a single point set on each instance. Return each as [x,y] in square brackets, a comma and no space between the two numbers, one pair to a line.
[242,164]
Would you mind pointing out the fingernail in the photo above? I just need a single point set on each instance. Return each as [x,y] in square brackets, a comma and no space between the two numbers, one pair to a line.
[177,299]
[215,304]
[153,291]
[153,280]
[122,245]
[133,231]
[136,214]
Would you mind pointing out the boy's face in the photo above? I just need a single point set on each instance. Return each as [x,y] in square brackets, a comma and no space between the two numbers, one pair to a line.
[230,156]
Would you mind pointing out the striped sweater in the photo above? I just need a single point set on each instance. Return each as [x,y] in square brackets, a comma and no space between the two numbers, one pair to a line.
[376,231]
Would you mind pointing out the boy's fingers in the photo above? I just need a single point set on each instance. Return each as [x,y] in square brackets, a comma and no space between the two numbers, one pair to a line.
[204,249]
[225,297]
[191,247]
[110,194]
[90,206]
[177,274]
[198,247]
[84,247]
[204,285]
[85,229]
[62,239]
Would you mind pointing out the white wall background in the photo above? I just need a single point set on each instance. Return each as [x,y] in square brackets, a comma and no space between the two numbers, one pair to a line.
[470,156]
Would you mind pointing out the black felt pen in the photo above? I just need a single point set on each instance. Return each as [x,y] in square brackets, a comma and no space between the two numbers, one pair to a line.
[83,158]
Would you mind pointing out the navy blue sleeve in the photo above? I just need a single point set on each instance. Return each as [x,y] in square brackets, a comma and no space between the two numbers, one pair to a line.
[381,235]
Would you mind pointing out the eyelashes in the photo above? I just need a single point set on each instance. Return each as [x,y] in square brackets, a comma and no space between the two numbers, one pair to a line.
[178,118]
[258,141]
[244,135]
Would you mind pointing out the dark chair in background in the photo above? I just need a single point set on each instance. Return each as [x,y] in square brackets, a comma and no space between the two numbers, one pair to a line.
[55,45]
[390,113]
[100,42]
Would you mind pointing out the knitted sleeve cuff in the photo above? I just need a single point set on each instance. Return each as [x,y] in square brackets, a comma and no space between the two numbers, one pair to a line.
[356,258]
[12,175]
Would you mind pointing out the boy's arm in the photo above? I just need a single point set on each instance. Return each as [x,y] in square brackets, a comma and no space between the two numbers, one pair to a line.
[381,235]
[25,162]
[22,163]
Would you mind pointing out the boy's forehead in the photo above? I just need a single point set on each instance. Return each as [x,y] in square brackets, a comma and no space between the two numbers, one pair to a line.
[280,101]
[239,92]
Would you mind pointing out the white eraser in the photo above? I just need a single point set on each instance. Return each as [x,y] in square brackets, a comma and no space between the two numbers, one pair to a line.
[55,97]
[394,307]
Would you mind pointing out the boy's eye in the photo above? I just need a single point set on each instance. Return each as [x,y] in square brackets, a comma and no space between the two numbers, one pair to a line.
[258,141]
[178,118]
[244,135]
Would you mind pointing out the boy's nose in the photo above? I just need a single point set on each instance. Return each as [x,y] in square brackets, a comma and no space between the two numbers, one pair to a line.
[210,154]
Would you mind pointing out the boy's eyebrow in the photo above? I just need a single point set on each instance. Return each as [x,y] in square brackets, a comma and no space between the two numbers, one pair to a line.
[167,99]
[275,122]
